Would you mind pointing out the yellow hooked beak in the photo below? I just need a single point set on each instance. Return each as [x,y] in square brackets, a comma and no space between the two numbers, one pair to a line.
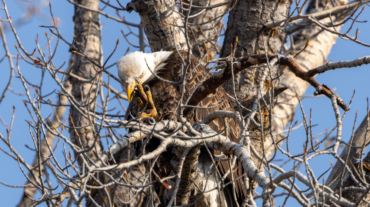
[130,89]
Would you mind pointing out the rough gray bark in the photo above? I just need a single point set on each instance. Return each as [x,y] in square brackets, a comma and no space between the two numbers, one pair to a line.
[162,23]
[88,42]
[246,21]
[205,26]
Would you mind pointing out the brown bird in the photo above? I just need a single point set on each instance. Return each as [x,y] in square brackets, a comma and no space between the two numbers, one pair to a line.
[162,73]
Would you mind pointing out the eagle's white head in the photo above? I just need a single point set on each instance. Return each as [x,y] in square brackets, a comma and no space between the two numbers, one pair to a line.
[139,67]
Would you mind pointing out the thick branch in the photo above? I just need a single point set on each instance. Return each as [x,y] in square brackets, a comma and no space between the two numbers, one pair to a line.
[88,41]
[211,84]
[299,72]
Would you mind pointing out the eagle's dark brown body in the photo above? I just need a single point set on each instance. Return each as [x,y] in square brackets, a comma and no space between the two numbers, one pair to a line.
[166,99]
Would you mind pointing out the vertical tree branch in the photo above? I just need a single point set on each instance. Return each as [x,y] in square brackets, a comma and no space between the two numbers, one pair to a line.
[88,41]
[162,23]
[246,21]
[206,24]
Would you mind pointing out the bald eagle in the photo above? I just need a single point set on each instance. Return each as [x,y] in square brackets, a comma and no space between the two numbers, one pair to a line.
[161,73]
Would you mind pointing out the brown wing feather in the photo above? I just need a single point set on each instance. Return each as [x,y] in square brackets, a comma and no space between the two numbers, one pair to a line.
[217,124]
[166,95]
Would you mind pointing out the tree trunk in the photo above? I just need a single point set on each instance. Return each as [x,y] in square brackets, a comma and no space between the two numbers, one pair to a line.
[88,42]
[162,23]
[246,21]
[205,26]
[314,55]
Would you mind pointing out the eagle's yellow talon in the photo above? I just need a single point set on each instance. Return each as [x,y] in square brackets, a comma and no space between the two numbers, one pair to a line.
[152,114]
[140,102]
[147,102]
[153,111]
[141,99]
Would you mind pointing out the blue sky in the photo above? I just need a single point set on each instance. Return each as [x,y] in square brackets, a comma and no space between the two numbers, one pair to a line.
[344,80]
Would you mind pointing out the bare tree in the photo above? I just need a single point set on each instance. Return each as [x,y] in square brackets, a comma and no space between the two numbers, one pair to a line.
[270,54]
